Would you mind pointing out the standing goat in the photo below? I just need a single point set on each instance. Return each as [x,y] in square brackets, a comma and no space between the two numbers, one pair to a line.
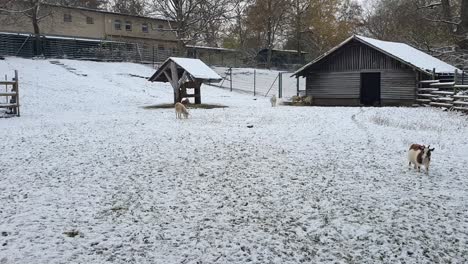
[420,155]
[273,101]
[181,110]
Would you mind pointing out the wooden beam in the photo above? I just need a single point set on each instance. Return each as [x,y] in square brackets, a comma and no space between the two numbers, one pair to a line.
[169,78]
[174,74]
[182,79]
[7,83]
[175,82]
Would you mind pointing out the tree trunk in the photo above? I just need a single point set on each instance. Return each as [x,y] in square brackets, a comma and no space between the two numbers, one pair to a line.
[462,29]
[269,37]
[447,15]
[298,32]
[37,32]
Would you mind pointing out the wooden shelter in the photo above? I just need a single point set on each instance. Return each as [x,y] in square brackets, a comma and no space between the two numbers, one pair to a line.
[183,74]
[366,71]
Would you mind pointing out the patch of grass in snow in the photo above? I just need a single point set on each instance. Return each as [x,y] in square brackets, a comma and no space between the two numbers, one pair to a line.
[192,106]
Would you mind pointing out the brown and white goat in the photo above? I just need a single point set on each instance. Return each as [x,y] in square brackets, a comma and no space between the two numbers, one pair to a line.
[420,155]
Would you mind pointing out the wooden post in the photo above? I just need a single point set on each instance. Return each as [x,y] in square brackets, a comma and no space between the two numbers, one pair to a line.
[230,77]
[175,82]
[455,79]
[198,92]
[16,87]
[433,74]
[297,85]
[255,74]
[153,55]
[280,85]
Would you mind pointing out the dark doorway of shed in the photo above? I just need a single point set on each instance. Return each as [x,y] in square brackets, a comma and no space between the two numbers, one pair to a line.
[370,88]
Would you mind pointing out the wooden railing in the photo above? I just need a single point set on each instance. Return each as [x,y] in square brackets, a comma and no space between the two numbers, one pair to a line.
[443,94]
[11,93]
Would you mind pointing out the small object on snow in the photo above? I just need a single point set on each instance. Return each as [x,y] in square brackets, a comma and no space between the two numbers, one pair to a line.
[72,233]
[2,58]
[250,126]
[4,233]
[255,99]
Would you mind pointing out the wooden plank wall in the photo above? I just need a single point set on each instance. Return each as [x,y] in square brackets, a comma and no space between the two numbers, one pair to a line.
[397,85]
[334,84]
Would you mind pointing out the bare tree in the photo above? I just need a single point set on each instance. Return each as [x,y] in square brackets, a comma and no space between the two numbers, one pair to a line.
[131,7]
[462,29]
[191,18]
[297,15]
[31,9]
[454,16]
[266,19]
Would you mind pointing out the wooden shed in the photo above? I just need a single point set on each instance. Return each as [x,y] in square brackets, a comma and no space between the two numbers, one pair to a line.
[366,71]
[184,74]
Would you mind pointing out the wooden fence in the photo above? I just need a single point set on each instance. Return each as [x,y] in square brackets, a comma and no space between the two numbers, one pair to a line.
[11,93]
[452,94]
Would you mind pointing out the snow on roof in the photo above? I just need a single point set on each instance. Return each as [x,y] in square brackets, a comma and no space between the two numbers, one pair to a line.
[196,68]
[400,51]
[210,48]
[410,55]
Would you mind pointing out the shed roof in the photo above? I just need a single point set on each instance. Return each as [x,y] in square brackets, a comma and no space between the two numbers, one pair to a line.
[400,51]
[196,68]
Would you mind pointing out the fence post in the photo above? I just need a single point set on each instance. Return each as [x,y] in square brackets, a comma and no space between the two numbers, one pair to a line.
[297,85]
[255,81]
[280,85]
[153,55]
[463,77]
[455,79]
[433,74]
[230,77]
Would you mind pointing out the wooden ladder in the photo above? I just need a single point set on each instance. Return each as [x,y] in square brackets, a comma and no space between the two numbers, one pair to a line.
[12,95]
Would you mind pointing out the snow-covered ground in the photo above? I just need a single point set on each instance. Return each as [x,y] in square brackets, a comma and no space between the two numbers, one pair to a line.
[304,184]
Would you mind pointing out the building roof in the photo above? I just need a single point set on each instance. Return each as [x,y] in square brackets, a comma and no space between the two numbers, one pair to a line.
[210,48]
[282,51]
[402,52]
[196,68]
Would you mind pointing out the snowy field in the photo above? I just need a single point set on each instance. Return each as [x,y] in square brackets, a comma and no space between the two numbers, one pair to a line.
[89,176]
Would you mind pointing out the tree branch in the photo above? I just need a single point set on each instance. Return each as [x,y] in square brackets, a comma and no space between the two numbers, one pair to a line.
[442,21]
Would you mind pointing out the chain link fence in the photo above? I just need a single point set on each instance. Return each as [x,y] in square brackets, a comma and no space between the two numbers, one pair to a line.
[26,45]
[261,82]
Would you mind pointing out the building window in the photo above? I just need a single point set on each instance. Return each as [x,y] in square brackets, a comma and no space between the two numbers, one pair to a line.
[144,27]
[161,27]
[128,25]
[117,25]
[67,18]
[89,20]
